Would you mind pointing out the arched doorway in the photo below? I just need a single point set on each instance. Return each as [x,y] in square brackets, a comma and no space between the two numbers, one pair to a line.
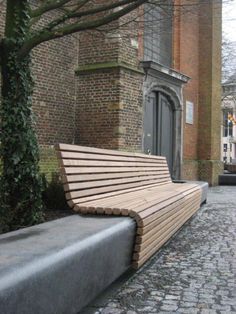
[163,100]
[159,126]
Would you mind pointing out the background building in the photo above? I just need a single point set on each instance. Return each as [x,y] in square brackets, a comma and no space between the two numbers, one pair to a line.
[228,143]
[150,85]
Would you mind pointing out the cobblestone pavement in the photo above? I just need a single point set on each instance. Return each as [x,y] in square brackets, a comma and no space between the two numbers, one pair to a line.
[194,273]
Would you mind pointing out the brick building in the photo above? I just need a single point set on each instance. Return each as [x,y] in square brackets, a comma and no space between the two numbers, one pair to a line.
[150,85]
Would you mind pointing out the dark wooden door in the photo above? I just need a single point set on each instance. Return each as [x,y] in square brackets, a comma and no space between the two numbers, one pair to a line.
[158,127]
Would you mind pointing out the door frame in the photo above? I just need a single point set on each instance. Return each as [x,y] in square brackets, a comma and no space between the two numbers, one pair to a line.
[175,101]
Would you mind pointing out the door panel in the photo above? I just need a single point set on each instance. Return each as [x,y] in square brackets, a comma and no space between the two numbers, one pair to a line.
[150,125]
[165,129]
[158,127]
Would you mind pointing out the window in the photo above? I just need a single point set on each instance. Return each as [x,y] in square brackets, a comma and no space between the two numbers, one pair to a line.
[227,124]
[158,33]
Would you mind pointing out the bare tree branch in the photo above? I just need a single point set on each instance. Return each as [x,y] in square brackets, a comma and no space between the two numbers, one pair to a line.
[46,35]
[50,5]
[75,14]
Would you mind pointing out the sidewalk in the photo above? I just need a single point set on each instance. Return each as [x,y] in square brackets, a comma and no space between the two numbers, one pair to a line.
[194,273]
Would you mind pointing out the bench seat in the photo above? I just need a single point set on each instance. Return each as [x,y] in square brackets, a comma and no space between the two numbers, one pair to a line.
[106,182]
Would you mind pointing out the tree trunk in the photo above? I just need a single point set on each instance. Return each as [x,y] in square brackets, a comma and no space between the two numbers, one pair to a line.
[21,183]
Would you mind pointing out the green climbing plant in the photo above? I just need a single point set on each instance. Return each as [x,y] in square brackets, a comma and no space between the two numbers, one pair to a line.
[21,182]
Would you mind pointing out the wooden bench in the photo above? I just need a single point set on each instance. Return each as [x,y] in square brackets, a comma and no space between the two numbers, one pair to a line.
[108,182]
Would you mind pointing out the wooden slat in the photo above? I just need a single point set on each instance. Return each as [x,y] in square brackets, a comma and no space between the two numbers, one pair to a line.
[103,176]
[162,215]
[77,202]
[172,214]
[77,194]
[78,148]
[113,205]
[189,211]
[186,208]
[152,200]
[102,206]
[115,201]
[99,183]
[145,193]
[170,211]
[141,222]
[108,163]
[144,212]
[156,244]
[87,156]
[160,201]
[138,263]
[141,200]
[167,225]
[153,210]
[128,199]
[146,204]
[93,170]
[159,217]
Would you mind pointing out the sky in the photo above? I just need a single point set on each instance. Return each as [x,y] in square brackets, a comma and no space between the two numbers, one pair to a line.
[229,19]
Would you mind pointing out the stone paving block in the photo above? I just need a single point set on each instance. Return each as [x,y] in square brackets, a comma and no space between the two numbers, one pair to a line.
[208,311]
[169,307]
[188,311]
[188,304]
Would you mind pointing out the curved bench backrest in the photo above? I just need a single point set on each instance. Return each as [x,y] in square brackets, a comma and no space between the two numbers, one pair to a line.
[90,173]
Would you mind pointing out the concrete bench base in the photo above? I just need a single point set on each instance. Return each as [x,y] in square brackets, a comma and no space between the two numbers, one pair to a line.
[227,179]
[60,266]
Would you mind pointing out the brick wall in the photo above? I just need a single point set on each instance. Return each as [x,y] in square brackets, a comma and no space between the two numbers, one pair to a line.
[186,46]
[109,88]
[98,47]
[98,111]
[210,92]
[54,102]
[131,115]
[197,39]
[129,44]
[131,80]
[98,89]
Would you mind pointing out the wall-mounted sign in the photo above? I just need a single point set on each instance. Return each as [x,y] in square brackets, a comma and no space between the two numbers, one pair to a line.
[189,112]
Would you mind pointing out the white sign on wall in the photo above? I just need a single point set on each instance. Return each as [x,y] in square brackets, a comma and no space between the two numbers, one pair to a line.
[189,112]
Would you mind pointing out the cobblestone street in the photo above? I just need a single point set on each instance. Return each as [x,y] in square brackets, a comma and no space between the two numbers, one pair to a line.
[194,273]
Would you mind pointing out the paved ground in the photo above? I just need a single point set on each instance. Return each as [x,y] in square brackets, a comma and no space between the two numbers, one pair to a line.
[193,273]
